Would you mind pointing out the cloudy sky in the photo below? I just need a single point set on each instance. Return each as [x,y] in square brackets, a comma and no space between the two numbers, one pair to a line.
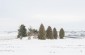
[69,14]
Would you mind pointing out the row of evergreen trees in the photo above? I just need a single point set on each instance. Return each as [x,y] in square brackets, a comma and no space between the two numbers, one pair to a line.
[49,34]
[42,33]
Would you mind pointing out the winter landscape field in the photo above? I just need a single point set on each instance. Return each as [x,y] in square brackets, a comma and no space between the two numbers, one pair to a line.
[42,27]
[72,44]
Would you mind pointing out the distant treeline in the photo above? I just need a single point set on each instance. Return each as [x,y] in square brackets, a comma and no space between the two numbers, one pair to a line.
[42,34]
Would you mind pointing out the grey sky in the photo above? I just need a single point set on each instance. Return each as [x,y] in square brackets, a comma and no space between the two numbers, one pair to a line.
[69,14]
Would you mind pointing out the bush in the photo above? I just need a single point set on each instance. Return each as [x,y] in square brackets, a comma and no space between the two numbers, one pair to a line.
[32,32]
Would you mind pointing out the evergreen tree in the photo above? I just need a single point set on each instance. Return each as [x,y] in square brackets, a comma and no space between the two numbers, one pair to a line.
[42,33]
[22,32]
[61,33]
[49,33]
[55,35]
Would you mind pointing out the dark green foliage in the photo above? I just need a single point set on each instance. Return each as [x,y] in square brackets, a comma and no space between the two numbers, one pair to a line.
[55,35]
[22,32]
[61,33]
[42,33]
[49,33]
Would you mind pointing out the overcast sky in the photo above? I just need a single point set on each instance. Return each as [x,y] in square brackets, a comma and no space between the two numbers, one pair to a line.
[69,14]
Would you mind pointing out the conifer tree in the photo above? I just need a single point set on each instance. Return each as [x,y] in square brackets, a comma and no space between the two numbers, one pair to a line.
[22,32]
[61,33]
[55,35]
[49,33]
[42,33]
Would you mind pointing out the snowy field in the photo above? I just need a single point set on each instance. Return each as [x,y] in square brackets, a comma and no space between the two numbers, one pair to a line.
[70,45]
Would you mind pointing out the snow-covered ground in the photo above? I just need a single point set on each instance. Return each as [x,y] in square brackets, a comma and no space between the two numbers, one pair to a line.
[42,47]
[66,46]
[68,34]
[75,34]
[8,35]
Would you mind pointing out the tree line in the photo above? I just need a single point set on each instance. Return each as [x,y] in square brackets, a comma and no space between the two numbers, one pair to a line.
[42,34]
